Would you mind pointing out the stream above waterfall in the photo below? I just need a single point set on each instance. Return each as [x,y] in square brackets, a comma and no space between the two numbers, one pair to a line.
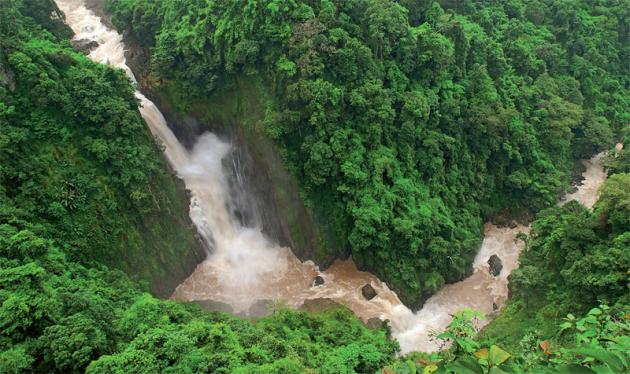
[244,267]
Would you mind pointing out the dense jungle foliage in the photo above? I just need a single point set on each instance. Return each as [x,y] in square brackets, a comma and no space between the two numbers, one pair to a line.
[406,122]
[575,259]
[576,262]
[79,174]
[77,165]
[81,182]
[569,306]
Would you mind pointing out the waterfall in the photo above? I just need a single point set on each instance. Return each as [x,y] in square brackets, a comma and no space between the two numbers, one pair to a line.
[243,266]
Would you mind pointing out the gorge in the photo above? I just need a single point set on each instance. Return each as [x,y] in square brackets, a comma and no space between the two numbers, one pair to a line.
[314,186]
[243,266]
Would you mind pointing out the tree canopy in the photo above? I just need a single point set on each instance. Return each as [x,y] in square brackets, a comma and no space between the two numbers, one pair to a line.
[80,181]
[407,123]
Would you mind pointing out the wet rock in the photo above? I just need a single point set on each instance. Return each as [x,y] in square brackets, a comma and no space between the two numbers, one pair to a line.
[261,308]
[84,45]
[496,265]
[320,305]
[375,323]
[214,306]
[318,281]
[368,292]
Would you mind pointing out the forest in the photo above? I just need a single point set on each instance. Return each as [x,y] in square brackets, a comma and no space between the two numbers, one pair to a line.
[407,125]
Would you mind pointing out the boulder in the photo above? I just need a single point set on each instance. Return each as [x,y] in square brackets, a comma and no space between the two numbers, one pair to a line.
[495,265]
[321,304]
[214,306]
[318,281]
[84,45]
[375,323]
[368,292]
[261,308]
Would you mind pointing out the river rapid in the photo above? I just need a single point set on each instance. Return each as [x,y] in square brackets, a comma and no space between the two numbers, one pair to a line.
[243,266]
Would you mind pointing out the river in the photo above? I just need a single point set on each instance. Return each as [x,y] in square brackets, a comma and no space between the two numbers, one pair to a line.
[244,266]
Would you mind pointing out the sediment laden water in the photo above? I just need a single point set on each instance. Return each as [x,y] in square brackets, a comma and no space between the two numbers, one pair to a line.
[244,266]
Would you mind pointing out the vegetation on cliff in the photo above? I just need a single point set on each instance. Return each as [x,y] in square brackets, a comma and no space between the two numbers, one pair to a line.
[569,306]
[599,342]
[408,123]
[82,186]
[78,166]
[80,181]
[574,261]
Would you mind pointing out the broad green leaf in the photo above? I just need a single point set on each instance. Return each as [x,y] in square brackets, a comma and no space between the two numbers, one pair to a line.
[599,354]
[413,369]
[465,365]
[508,369]
[497,356]
[602,369]
[565,325]
[430,369]
[595,311]
[590,319]
[574,369]
[496,370]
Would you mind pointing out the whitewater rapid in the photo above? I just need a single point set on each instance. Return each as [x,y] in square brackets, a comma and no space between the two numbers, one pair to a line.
[244,266]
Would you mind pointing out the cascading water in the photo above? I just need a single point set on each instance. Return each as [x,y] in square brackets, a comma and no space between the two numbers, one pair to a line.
[244,266]
[594,176]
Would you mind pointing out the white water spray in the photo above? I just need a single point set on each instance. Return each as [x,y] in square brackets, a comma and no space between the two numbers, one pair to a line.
[245,267]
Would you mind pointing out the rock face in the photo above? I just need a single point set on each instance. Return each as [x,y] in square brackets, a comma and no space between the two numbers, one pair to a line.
[495,265]
[7,78]
[318,281]
[84,46]
[256,165]
[368,292]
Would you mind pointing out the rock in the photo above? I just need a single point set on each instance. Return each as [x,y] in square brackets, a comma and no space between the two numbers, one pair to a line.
[214,306]
[84,45]
[495,307]
[7,78]
[320,305]
[375,323]
[368,292]
[495,265]
[261,308]
[318,281]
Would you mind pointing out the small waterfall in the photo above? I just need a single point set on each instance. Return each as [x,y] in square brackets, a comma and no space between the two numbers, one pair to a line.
[243,266]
